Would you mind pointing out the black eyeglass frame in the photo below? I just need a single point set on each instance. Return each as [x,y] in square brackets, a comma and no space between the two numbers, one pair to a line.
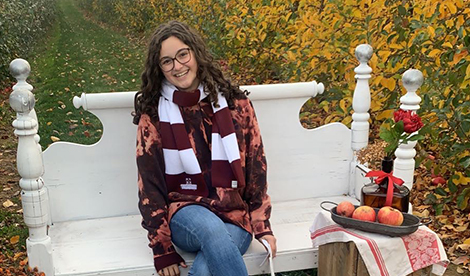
[175,58]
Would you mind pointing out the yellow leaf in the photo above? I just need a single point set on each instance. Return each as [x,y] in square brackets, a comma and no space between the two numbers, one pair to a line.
[434,53]
[431,31]
[442,11]
[15,239]
[262,37]
[395,46]
[55,139]
[385,114]
[465,83]
[447,44]
[388,83]
[290,56]
[467,241]
[347,120]
[446,92]
[384,55]
[49,123]
[451,6]
[8,203]
[449,23]
[462,179]
[467,72]
[312,63]
[357,13]
[342,105]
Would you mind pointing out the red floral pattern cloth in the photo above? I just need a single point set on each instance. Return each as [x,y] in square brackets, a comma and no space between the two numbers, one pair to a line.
[248,207]
[384,255]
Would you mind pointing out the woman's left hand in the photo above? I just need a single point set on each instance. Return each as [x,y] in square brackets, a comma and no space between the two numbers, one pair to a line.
[272,243]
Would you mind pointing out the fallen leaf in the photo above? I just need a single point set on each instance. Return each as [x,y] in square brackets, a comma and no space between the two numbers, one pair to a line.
[49,123]
[17,255]
[24,262]
[86,133]
[55,139]
[8,203]
[15,239]
[462,228]
[460,271]
[461,260]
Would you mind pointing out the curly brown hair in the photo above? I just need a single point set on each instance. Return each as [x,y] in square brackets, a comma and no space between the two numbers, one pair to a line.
[208,72]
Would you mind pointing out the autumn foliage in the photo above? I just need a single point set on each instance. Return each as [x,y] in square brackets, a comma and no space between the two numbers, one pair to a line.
[299,40]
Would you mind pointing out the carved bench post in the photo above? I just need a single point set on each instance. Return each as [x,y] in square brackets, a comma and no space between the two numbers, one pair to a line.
[361,106]
[361,98]
[30,167]
[404,165]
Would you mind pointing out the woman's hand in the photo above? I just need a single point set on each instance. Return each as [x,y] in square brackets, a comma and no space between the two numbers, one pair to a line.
[172,270]
[272,243]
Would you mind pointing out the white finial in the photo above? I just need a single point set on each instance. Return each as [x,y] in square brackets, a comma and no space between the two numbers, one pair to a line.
[20,69]
[80,101]
[363,53]
[321,88]
[412,80]
[22,101]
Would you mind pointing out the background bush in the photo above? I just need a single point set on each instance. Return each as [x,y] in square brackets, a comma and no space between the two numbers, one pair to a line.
[22,23]
[299,40]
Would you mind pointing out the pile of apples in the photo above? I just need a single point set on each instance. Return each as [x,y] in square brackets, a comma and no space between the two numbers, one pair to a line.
[386,215]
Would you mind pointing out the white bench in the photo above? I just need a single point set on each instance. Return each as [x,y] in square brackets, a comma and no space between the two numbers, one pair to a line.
[80,201]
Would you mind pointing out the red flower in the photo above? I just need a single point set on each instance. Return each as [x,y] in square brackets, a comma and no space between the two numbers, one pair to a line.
[400,114]
[411,122]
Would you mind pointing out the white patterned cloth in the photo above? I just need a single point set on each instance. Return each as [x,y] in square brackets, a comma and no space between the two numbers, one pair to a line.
[384,255]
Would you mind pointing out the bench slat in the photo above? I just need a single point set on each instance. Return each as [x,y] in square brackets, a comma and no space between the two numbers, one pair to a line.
[109,245]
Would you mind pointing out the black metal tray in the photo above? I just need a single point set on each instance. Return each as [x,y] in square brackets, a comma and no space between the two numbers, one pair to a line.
[410,223]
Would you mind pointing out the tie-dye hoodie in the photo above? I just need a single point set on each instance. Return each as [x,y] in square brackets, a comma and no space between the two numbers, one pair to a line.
[248,207]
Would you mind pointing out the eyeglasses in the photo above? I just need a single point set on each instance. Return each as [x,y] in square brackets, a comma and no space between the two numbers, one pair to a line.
[183,56]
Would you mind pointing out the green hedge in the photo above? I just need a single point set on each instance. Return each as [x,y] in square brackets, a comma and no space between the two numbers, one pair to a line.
[22,23]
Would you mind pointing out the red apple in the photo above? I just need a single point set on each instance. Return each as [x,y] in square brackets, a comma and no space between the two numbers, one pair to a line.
[365,213]
[390,216]
[345,209]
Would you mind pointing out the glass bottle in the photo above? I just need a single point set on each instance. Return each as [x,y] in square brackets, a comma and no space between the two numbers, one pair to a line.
[374,195]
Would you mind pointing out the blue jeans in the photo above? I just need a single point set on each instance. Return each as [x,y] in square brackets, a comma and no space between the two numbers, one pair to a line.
[219,245]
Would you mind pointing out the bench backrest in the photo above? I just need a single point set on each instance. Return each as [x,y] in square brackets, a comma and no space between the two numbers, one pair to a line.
[94,181]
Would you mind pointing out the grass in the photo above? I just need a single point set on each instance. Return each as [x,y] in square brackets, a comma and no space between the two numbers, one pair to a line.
[11,225]
[80,56]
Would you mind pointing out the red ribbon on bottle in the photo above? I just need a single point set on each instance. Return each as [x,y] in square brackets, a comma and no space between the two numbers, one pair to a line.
[381,175]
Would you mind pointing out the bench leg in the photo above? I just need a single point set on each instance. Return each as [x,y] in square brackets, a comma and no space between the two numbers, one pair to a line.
[343,259]
[340,259]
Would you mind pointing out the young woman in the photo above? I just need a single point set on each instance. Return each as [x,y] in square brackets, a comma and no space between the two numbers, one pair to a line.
[202,169]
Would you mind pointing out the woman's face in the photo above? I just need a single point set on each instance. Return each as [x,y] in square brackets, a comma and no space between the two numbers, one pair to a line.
[183,74]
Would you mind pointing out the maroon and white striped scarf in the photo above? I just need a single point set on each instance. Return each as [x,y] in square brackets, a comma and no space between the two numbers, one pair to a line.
[182,170]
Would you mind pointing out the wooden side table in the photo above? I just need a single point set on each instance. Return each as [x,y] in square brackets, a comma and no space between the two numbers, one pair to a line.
[343,259]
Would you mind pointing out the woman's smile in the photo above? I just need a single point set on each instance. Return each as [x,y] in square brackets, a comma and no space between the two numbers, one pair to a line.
[175,53]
